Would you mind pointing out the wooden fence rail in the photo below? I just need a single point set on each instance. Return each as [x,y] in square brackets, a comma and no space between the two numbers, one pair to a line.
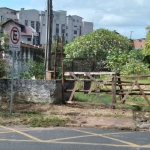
[116,85]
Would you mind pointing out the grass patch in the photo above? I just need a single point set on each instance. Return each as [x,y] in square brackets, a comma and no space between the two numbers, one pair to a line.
[45,122]
[81,97]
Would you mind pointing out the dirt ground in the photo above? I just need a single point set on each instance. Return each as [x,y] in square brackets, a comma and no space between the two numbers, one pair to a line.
[79,114]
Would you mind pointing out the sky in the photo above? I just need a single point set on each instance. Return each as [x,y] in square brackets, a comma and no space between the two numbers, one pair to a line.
[127,17]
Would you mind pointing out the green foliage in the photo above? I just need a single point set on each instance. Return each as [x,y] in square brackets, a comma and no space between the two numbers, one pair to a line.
[4,42]
[99,44]
[134,64]
[2,66]
[135,67]
[115,62]
[45,122]
[102,44]
[34,69]
[146,50]
[54,47]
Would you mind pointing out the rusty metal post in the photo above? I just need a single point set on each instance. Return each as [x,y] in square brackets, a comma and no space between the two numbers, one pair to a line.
[113,91]
[62,66]
[55,57]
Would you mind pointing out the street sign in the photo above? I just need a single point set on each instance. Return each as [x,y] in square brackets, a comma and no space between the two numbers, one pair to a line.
[14,45]
[14,38]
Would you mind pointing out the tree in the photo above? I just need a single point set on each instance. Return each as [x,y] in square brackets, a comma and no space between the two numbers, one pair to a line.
[4,42]
[146,50]
[3,47]
[100,44]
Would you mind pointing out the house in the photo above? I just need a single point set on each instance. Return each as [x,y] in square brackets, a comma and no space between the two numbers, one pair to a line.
[28,34]
[138,43]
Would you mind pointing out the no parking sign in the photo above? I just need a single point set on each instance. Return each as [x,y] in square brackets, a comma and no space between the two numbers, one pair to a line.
[14,45]
[14,38]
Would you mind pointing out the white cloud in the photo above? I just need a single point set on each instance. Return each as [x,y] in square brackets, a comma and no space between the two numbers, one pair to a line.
[112,18]
[120,15]
[139,2]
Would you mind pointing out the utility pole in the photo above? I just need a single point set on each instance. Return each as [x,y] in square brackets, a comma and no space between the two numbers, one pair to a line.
[48,36]
[131,34]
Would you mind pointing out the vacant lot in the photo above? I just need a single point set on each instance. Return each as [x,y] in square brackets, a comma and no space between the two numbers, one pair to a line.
[77,114]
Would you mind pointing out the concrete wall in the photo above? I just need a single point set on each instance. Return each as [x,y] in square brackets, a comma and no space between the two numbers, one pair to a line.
[37,91]
[42,91]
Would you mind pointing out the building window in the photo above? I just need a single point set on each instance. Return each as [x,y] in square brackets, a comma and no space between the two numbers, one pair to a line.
[26,22]
[57,26]
[66,34]
[42,15]
[8,18]
[75,26]
[73,20]
[57,29]
[62,28]
[80,30]
[75,31]
[77,20]
[37,26]
[28,39]
[16,20]
[32,24]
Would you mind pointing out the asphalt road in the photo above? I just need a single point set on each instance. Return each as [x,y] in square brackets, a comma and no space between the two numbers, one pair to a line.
[15,138]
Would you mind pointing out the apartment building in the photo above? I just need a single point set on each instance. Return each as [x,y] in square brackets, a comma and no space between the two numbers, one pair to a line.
[7,13]
[68,26]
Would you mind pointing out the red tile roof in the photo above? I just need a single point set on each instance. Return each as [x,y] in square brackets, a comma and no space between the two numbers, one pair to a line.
[29,31]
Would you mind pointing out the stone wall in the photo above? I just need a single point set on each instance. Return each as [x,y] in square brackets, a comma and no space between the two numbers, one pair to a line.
[42,91]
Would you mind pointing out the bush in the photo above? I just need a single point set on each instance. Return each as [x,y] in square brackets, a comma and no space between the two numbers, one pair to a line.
[2,66]
[135,67]
[34,69]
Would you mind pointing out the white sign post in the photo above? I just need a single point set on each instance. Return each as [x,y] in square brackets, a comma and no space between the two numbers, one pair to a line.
[14,45]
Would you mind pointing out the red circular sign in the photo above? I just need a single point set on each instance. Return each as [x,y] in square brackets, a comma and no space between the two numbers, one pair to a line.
[15,35]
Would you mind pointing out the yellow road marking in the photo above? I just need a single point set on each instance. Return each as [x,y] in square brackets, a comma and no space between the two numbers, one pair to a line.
[90,134]
[22,133]
[76,143]
[114,139]
[146,146]
[15,140]
[6,132]
[74,137]
[100,144]
[117,133]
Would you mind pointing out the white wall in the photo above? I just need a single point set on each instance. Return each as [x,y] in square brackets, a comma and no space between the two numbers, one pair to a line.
[30,15]
[42,20]
[24,39]
[87,27]
[60,19]
[6,14]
